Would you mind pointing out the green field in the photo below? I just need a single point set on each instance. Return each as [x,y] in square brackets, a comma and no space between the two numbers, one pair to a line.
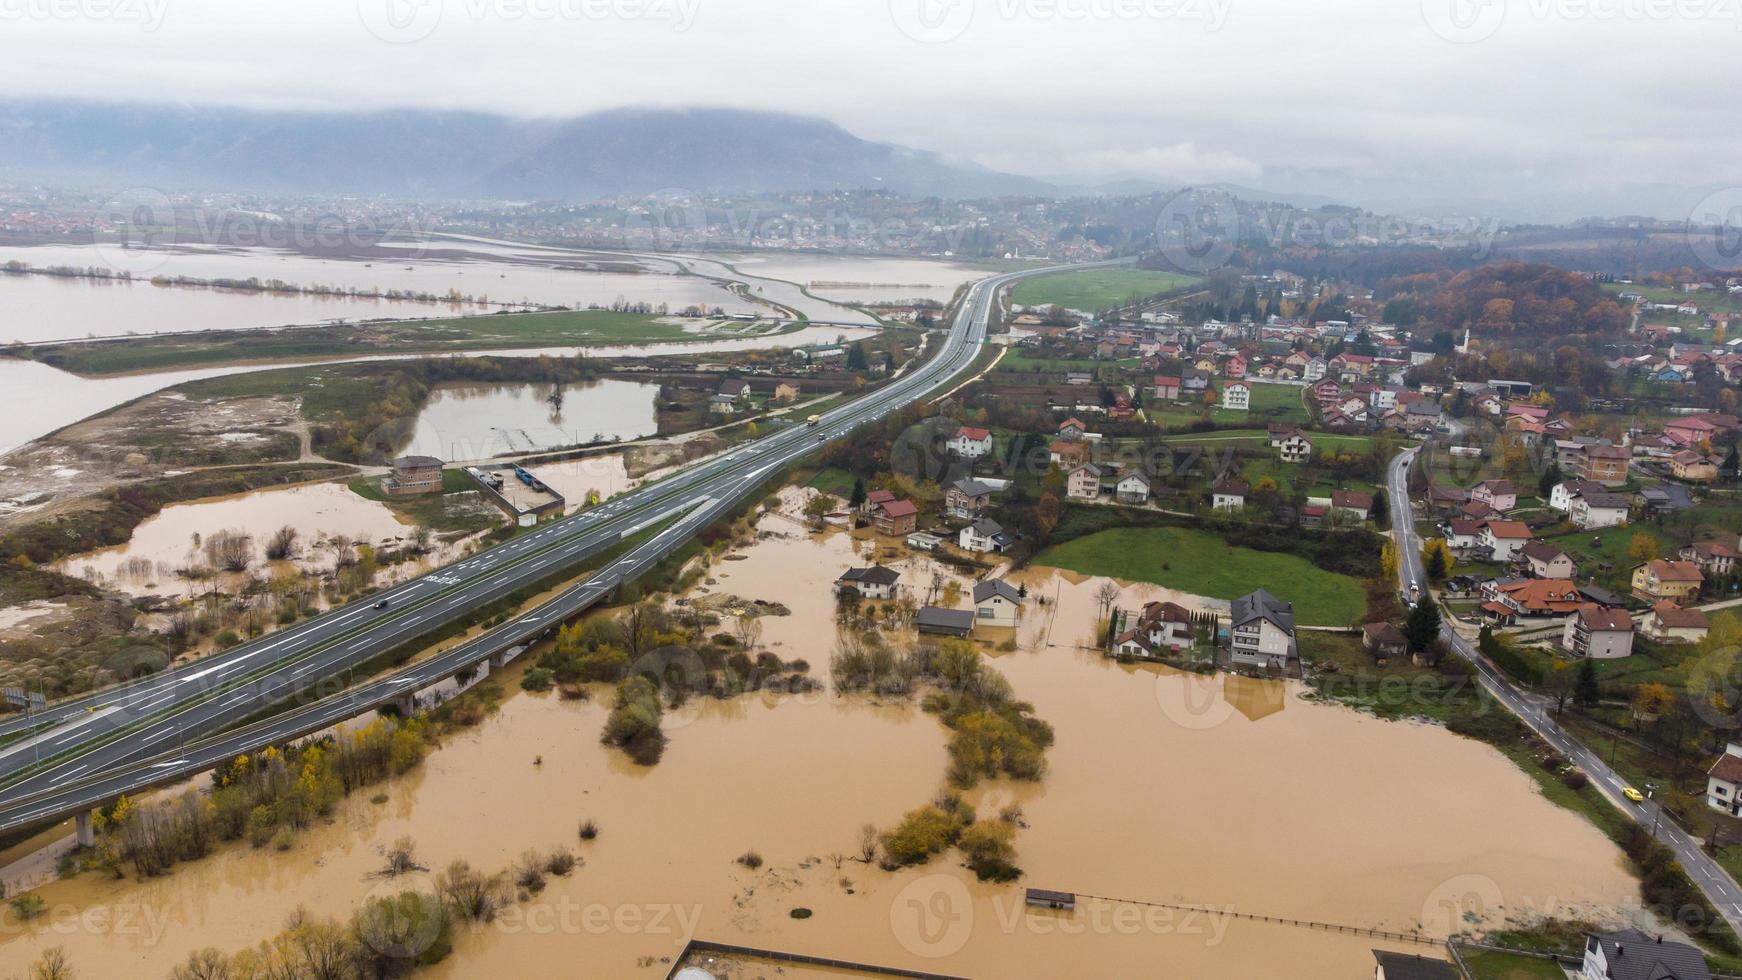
[581,328]
[1096,289]
[1203,564]
[1486,964]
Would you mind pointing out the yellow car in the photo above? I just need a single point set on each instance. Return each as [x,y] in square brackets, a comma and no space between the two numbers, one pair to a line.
[1633,794]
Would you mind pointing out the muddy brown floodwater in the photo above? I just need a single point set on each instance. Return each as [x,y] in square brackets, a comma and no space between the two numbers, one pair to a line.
[1161,787]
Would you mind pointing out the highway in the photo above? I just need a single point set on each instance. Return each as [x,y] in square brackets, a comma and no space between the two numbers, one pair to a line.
[1711,878]
[174,723]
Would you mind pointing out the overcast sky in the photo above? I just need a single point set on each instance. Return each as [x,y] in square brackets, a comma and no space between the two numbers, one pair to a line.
[1478,98]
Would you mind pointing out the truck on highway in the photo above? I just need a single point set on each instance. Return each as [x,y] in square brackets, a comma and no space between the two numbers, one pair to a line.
[813,421]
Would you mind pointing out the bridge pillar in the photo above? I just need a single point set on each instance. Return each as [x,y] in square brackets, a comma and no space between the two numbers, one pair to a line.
[498,660]
[84,833]
[406,703]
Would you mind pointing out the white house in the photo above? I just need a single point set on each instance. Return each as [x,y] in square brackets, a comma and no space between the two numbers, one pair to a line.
[1295,449]
[1497,494]
[996,603]
[1236,397]
[1596,510]
[1561,497]
[1229,495]
[876,582]
[1462,534]
[1632,955]
[1262,630]
[1162,626]
[1598,633]
[1132,488]
[983,535]
[1724,781]
[1314,370]
[971,443]
[1504,538]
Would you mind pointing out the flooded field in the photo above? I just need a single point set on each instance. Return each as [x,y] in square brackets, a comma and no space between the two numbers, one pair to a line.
[1161,787]
[50,308]
[862,279]
[475,422]
[174,537]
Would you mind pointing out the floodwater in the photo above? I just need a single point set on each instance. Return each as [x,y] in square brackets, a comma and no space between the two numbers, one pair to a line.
[853,279]
[607,473]
[49,308]
[476,422]
[166,541]
[1162,787]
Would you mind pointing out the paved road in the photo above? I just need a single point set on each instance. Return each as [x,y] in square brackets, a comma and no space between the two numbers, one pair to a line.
[149,731]
[1536,712]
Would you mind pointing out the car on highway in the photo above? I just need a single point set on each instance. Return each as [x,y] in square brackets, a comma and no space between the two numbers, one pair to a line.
[1633,794]
[381,604]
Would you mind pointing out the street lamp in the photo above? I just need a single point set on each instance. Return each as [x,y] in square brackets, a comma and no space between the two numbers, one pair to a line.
[1657,811]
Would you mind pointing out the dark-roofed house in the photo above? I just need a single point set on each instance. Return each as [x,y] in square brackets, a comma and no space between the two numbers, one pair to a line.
[1544,560]
[967,498]
[1262,630]
[1598,633]
[1633,955]
[1724,781]
[944,622]
[1670,622]
[1410,966]
[1352,502]
[876,582]
[983,535]
[414,474]
[997,603]
[1384,640]
[1229,495]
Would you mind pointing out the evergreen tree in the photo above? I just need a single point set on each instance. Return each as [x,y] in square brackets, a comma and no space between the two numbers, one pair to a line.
[1551,477]
[1381,510]
[1585,690]
[856,357]
[1435,566]
[857,499]
[1422,627]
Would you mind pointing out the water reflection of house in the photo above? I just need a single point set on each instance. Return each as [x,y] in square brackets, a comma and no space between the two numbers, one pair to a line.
[1254,697]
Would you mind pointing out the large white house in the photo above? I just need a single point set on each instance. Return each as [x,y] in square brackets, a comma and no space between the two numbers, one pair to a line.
[1633,955]
[1236,396]
[971,443]
[1262,630]
[1295,449]
[1595,510]
[1598,633]
[983,535]
[1724,781]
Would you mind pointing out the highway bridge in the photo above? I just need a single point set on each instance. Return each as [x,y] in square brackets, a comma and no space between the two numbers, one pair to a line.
[83,752]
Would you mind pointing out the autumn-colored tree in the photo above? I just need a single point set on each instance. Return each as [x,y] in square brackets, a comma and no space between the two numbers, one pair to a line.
[1642,548]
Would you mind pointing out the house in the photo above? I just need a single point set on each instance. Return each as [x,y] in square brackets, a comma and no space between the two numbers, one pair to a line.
[982,536]
[1544,560]
[944,622]
[967,498]
[785,391]
[1497,494]
[1236,397]
[874,500]
[1295,449]
[722,404]
[1072,429]
[924,541]
[413,475]
[1715,558]
[1353,503]
[1165,387]
[1660,579]
[1132,488]
[876,582]
[1161,626]
[1632,955]
[1314,370]
[1262,631]
[1693,467]
[997,603]
[1561,497]
[1410,966]
[1597,510]
[1671,623]
[1083,482]
[1503,539]
[1384,640]
[1605,464]
[1067,453]
[970,442]
[1724,781]
[1532,598]
[1598,633]
[1462,534]
[1229,495]
[735,389]
[895,517]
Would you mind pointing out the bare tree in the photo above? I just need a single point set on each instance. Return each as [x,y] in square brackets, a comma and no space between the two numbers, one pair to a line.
[282,545]
[1105,596]
[232,551]
[868,843]
[748,630]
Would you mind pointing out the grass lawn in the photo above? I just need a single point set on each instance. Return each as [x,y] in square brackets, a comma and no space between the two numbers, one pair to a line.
[837,482]
[1281,403]
[1203,564]
[1487,964]
[1290,477]
[493,331]
[1018,362]
[1096,289]
[1610,546]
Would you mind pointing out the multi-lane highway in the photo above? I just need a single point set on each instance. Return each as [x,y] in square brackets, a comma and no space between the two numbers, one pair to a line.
[1720,889]
[176,722]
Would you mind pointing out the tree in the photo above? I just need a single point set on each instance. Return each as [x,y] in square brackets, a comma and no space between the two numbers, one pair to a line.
[1381,510]
[1551,477]
[1046,517]
[1422,627]
[857,498]
[1436,560]
[1642,548]
[1585,690]
[856,357]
